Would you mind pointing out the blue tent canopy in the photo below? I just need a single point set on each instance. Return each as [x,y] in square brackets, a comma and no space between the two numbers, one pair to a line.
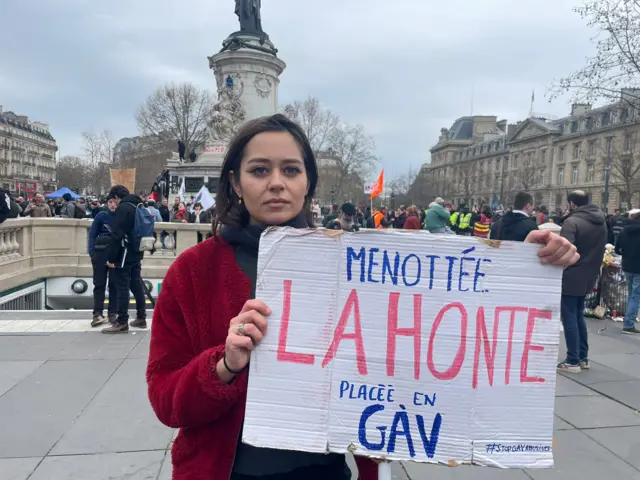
[61,192]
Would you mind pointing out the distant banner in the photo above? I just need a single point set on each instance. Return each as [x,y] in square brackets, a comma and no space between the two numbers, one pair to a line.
[368,188]
[124,176]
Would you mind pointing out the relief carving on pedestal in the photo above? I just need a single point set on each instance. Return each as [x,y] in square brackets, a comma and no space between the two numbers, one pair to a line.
[263,85]
[229,113]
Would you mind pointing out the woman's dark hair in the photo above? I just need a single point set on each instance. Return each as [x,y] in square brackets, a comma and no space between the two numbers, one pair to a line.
[229,210]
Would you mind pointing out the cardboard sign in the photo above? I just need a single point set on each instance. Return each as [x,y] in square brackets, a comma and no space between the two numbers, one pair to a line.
[405,346]
[124,176]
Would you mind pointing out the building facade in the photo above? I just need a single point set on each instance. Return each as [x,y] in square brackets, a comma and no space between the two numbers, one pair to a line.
[482,161]
[148,155]
[27,155]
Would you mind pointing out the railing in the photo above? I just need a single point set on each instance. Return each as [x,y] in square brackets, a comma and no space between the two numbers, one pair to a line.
[37,248]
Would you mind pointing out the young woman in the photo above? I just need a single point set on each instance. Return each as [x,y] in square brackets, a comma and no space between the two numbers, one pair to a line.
[207,321]
[197,371]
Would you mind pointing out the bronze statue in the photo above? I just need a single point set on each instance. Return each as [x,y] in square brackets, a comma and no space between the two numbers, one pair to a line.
[248,12]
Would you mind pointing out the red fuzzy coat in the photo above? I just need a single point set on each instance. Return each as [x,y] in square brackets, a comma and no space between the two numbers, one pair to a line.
[202,291]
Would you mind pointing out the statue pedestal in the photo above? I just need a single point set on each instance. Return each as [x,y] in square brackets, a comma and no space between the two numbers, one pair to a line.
[249,66]
[250,62]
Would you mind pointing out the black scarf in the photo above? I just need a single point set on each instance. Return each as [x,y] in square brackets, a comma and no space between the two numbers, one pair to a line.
[246,243]
[248,237]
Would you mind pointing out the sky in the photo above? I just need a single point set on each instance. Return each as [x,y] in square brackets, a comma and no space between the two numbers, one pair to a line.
[404,69]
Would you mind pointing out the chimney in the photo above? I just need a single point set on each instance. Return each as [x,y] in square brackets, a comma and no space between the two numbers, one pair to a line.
[578,109]
[502,125]
[0,109]
[511,129]
[22,119]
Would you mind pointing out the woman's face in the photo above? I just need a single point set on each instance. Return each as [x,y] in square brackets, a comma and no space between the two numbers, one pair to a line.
[181,206]
[112,205]
[273,179]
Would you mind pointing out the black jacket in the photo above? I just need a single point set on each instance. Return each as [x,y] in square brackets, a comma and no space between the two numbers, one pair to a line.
[586,228]
[513,227]
[122,226]
[628,245]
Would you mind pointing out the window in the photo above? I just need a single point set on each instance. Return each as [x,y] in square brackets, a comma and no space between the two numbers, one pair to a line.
[592,147]
[576,151]
[574,127]
[543,155]
[574,175]
[560,179]
[515,160]
[591,172]
[561,154]
[628,141]
[606,118]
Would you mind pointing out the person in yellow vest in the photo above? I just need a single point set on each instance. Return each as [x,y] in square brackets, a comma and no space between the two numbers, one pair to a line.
[483,225]
[464,221]
[453,220]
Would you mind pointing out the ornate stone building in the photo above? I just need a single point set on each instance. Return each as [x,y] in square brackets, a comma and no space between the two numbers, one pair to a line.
[480,160]
[27,155]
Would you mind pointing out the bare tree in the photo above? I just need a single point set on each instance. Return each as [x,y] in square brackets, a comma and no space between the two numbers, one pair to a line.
[72,172]
[356,151]
[400,187]
[423,190]
[625,163]
[318,123]
[177,112]
[467,182]
[97,153]
[526,177]
[616,63]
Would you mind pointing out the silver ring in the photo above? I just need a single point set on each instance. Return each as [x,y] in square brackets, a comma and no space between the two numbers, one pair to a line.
[240,329]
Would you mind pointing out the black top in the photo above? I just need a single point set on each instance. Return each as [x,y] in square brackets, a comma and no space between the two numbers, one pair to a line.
[513,227]
[628,245]
[259,462]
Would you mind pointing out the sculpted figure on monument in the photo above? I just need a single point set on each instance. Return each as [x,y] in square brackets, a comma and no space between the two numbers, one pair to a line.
[228,115]
[248,12]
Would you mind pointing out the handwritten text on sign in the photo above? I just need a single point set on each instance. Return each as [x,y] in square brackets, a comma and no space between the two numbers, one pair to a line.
[405,346]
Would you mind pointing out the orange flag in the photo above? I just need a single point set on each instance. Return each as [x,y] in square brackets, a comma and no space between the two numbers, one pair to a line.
[379,186]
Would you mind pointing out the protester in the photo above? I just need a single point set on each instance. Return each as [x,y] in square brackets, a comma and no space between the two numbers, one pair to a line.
[628,245]
[99,241]
[37,208]
[346,220]
[516,224]
[126,260]
[483,224]
[437,217]
[585,227]
[204,331]
[412,221]
[181,214]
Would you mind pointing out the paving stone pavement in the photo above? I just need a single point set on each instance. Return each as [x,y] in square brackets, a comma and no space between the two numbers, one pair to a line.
[73,406]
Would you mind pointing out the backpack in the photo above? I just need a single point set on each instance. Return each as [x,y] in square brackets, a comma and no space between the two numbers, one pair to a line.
[142,239]
[79,211]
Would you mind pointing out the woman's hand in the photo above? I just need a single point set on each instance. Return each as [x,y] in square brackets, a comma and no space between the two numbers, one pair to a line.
[557,250]
[246,331]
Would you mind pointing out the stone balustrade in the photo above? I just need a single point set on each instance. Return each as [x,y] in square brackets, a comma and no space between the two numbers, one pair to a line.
[36,248]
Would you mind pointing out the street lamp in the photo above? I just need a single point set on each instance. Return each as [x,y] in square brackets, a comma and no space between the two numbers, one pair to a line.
[333,194]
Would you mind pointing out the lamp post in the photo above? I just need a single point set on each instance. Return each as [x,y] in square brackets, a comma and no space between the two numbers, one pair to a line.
[333,194]
[607,176]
